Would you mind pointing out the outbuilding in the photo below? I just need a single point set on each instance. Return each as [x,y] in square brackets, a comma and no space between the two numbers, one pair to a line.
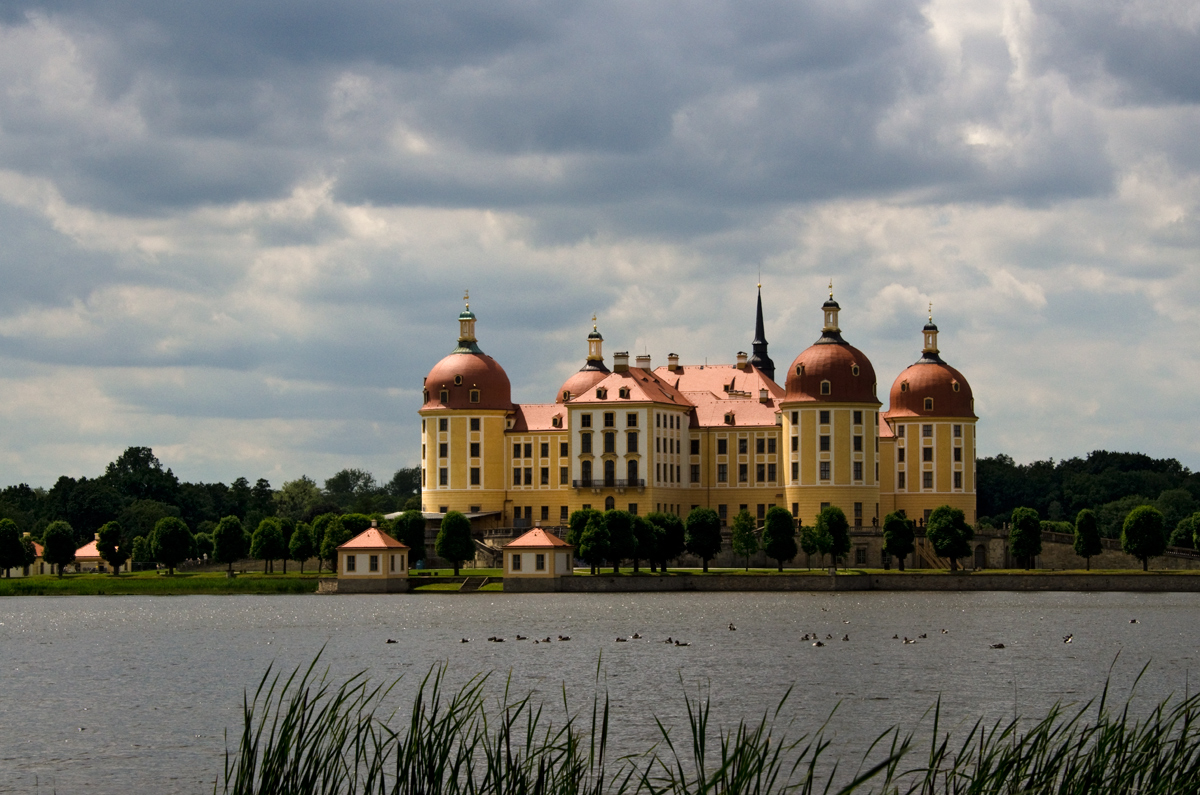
[372,562]
[537,555]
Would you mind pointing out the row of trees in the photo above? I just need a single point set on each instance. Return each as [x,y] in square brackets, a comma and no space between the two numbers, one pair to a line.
[1144,534]
[136,491]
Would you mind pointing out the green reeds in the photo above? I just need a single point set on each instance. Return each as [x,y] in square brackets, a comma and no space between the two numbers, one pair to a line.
[302,734]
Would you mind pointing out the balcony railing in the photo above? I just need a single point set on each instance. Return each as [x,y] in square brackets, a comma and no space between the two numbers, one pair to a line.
[609,483]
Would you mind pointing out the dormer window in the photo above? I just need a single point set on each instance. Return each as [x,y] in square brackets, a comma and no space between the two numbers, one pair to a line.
[854,369]
[954,385]
[426,395]
[929,404]
[566,395]
[556,422]
[602,394]
[458,380]
[904,386]
[800,369]
[729,418]
[623,392]
[445,395]
[826,388]
[474,395]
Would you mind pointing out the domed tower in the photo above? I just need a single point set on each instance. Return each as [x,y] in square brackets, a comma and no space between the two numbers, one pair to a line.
[592,372]
[931,415]
[830,422]
[463,419]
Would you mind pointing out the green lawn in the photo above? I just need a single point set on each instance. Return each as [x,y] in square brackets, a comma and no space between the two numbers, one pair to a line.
[158,583]
[419,573]
[437,586]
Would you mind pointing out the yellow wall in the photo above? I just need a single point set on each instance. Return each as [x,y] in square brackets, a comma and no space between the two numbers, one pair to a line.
[362,568]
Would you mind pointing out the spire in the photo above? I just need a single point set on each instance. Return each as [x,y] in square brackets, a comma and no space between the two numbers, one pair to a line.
[759,357]
[929,352]
[466,328]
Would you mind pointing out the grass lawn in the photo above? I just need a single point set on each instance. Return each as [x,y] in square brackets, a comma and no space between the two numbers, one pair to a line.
[493,586]
[464,572]
[437,586]
[158,583]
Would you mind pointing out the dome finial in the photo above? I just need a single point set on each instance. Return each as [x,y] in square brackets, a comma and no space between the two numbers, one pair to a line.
[593,321]
[931,311]
[467,298]
[831,289]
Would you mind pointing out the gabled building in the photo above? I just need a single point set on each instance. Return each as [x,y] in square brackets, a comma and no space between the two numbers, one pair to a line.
[727,437]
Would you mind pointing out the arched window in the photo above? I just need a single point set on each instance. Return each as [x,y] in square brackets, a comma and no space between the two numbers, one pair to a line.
[445,395]
[474,395]
[609,503]
[929,404]
[585,472]
[610,472]
[631,471]
[825,388]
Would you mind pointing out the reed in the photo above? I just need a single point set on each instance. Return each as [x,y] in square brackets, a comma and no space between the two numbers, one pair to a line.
[303,734]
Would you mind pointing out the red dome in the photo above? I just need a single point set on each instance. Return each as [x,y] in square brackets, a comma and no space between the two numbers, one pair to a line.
[581,382]
[933,379]
[847,369]
[460,374]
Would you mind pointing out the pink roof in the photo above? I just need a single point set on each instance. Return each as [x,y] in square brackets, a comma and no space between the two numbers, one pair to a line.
[87,552]
[39,549]
[538,417]
[721,389]
[372,538]
[885,430]
[643,385]
[537,538]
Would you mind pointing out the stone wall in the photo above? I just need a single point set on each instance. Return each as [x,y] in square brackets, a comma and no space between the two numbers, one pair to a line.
[341,585]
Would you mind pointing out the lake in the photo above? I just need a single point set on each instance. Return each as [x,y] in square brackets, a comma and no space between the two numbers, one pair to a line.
[112,694]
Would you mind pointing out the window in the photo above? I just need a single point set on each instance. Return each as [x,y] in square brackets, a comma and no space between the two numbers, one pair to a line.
[609,419]
[858,444]
[795,418]
[516,476]
[771,472]
[858,513]
[858,470]
[722,446]
[631,420]
[695,447]
[760,446]
[585,443]
[958,454]
[695,473]
[516,562]
[351,562]
[761,511]
[474,449]
[623,392]
[474,423]
[631,471]
[585,471]
[633,508]
[545,476]
[631,442]
[900,481]
[722,473]
[929,404]
[824,470]
[927,431]
[760,472]
[743,446]
[610,442]
[474,395]
[393,562]
[445,396]
[443,450]
[585,420]
[825,388]
[824,417]
[545,513]
[900,454]
[563,476]
[958,480]
[795,443]
[545,449]
[474,476]
[443,476]
[743,473]
[458,380]
[528,476]
[373,563]
[824,444]
[563,515]
[539,562]
[860,556]
[900,431]
[957,431]
[927,454]
[771,445]
[858,418]
[563,450]
[795,510]
[443,424]
[516,451]
[601,394]
[723,513]
[657,420]
[795,470]
[904,387]
[528,450]
[928,480]
[954,385]
[556,421]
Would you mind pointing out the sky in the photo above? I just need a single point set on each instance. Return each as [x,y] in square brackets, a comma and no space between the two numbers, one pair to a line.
[240,233]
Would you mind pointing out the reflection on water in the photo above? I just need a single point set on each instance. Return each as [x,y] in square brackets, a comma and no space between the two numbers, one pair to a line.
[109,694]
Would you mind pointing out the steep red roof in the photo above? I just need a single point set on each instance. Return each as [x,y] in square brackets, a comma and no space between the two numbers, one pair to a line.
[885,430]
[87,552]
[461,373]
[537,538]
[934,379]
[373,538]
[538,417]
[643,385]
[724,389]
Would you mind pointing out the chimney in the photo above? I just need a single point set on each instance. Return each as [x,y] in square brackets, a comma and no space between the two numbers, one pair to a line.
[741,360]
[374,523]
[643,361]
[96,537]
[764,396]
[621,362]
[672,361]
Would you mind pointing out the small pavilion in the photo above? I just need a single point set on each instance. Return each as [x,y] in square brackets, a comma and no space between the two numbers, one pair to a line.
[538,555]
[372,562]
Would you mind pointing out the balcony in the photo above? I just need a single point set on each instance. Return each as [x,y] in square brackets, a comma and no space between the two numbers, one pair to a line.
[609,483]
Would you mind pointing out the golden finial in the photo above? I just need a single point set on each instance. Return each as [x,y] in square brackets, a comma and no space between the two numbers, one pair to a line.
[931,311]
[831,289]
[467,298]
[593,321]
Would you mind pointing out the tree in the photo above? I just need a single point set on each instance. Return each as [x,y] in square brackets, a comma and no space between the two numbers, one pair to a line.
[300,547]
[294,500]
[140,550]
[319,525]
[898,534]
[1184,534]
[140,517]
[30,553]
[356,523]
[171,543]
[647,535]
[577,523]
[112,546]
[287,526]
[671,536]
[808,543]
[703,534]
[743,539]
[595,542]
[12,554]
[779,535]
[267,543]
[949,533]
[334,536]
[1025,538]
[204,545]
[1087,536]
[138,475]
[229,542]
[1143,535]
[833,521]
[58,545]
[621,539]
[454,541]
[823,542]
[409,530]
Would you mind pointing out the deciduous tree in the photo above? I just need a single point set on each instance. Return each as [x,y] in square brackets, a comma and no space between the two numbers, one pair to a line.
[1143,535]
[949,533]
[743,538]
[171,543]
[1025,538]
[409,530]
[671,536]
[595,543]
[112,546]
[577,523]
[11,552]
[646,534]
[267,543]
[58,545]
[703,534]
[832,522]
[229,542]
[779,535]
[898,535]
[808,543]
[334,536]
[1087,536]
[621,539]
[454,540]
[300,547]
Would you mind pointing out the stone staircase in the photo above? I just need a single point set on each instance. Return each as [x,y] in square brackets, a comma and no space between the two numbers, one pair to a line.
[929,559]
[472,584]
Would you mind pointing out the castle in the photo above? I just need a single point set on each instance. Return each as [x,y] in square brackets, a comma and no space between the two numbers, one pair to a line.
[676,437]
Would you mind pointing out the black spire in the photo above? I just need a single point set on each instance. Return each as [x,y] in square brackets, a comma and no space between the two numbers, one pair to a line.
[759,357]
